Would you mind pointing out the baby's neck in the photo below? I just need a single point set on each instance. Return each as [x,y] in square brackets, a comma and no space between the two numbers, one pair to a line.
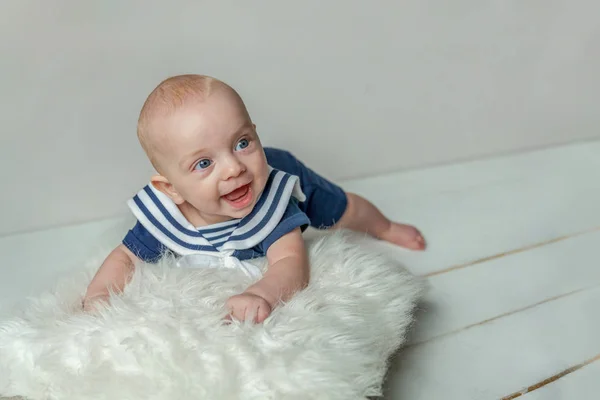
[198,219]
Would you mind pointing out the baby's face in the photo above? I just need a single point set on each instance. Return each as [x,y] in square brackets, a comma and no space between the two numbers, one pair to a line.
[214,159]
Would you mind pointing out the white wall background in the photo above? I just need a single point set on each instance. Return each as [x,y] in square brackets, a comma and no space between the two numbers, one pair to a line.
[352,87]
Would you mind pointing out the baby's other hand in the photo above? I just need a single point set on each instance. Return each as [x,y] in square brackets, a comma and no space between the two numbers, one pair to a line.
[248,306]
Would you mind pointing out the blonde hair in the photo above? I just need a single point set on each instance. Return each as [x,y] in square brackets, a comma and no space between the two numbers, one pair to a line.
[166,98]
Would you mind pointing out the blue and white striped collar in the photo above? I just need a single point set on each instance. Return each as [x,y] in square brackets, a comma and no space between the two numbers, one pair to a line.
[163,219]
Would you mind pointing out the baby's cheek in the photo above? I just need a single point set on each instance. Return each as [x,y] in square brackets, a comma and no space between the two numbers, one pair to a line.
[261,182]
[208,198]
[264,172]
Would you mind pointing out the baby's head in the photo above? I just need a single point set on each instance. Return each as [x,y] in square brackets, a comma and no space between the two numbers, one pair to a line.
[198,135]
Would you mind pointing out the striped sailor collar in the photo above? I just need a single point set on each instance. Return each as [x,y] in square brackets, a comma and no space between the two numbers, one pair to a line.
[163,219]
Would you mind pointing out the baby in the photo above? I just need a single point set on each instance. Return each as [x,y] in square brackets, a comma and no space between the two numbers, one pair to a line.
[218,191]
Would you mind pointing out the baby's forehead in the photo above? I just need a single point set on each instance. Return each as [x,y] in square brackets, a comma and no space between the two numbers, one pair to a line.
[205,123]
[219,112]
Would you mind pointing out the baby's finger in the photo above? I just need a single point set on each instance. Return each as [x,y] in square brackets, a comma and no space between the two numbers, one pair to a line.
[262,314]
[250,313]
[229,307]
[234,312]
[240,312]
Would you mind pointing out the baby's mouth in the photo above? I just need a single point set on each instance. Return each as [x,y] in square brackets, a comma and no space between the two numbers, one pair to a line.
[240,197]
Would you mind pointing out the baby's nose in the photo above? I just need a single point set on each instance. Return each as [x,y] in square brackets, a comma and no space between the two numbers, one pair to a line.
[234,168]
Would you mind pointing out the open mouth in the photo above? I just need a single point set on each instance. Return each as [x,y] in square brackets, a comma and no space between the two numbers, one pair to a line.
[240,197]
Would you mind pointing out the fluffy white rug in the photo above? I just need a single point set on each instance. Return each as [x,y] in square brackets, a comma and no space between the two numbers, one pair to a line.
[164,337]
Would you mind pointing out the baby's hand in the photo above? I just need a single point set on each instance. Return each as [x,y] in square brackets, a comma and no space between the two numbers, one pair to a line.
[247,306]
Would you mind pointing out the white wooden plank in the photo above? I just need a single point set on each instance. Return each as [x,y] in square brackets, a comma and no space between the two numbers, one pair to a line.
[501,357]
[468,225]
[582,384]
[507,284]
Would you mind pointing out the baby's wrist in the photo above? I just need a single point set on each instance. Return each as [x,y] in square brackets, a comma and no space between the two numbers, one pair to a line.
[273,294]
[270,298]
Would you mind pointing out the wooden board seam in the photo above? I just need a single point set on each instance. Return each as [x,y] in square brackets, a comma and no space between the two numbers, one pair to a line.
[511,252]
[551,379]
[506,314]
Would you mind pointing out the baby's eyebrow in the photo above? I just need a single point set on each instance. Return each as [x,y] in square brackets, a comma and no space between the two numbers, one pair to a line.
[244,127]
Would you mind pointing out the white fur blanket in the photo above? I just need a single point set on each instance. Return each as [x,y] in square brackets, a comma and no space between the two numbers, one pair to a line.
[164,338]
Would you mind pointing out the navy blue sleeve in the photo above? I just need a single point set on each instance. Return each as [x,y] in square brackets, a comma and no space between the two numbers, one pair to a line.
[292,218]
[325,202]
[141,243]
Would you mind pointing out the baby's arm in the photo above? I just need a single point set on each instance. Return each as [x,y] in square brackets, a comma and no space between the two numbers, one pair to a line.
[288,273]
[113,275]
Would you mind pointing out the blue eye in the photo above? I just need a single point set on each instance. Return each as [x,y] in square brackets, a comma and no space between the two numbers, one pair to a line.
[242,144]
[203,164]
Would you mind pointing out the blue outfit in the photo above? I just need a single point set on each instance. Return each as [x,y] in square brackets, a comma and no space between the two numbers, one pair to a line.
[294,197]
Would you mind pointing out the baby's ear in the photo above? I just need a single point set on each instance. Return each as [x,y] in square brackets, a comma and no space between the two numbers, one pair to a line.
[161,183]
